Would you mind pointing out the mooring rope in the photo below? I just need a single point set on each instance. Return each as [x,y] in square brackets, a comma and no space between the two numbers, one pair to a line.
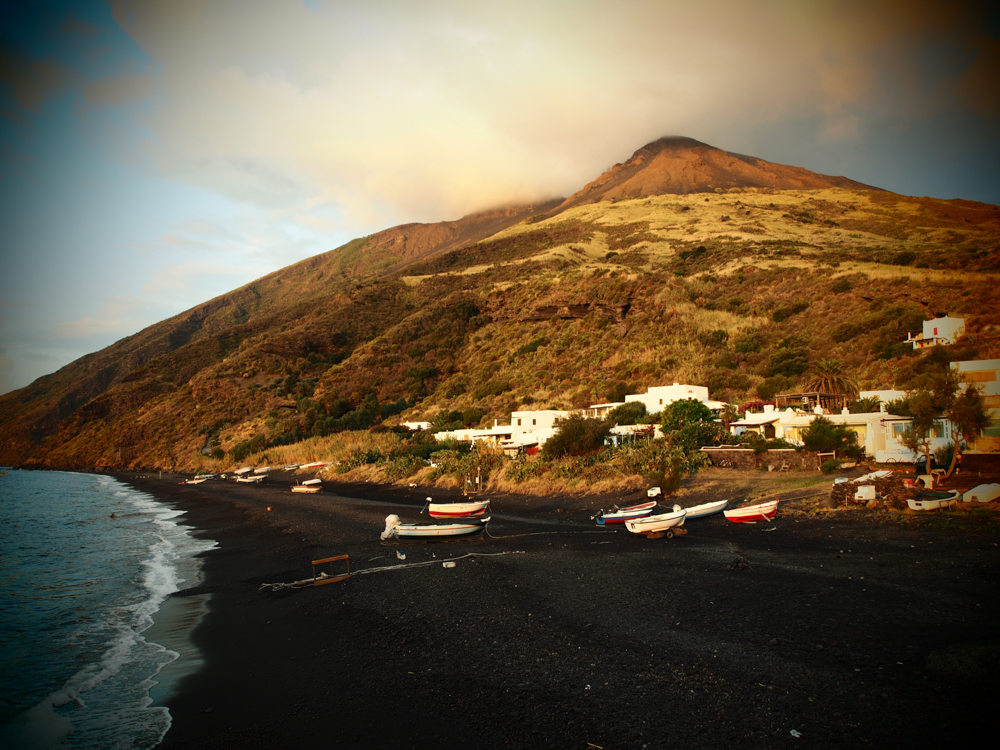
[311,581]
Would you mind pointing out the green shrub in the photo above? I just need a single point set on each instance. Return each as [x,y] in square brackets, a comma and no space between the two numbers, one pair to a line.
[830,465]
[749,343]
[492,387]
[576,436]
[826,437]
[717,337]
[841,285]
[784,312]
[628,413]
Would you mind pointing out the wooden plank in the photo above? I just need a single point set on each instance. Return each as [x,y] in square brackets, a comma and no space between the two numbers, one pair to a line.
[330,559]
[324,581]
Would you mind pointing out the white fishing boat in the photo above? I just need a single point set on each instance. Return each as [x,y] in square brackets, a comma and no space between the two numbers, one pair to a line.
[432,531]
[621,515]
[253,479]
[307,489]
[457,510]
[312,465]
[310,482]
[662,523]
[196,480]
[759,512]
[706,509]
[243,471]
[262,470]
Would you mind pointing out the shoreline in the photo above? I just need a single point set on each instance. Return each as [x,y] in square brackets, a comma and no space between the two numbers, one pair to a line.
[587,637]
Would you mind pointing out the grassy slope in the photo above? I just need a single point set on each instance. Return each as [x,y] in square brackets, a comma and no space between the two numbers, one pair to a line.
[220,373]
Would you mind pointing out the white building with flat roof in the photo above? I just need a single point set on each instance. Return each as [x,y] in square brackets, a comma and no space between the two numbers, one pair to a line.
[938,331]
[658,396]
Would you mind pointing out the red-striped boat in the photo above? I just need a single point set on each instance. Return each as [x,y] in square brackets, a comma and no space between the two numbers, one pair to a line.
[759,512]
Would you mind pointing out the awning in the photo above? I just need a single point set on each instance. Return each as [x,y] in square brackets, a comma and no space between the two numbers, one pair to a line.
[743,423]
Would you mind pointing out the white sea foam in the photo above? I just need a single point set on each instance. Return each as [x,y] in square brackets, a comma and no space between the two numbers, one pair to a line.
[106,703]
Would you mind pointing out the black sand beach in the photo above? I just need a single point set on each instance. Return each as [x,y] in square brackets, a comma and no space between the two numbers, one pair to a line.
[578,637]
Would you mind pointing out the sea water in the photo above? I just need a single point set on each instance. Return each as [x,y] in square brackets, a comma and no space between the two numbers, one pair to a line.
[86,564]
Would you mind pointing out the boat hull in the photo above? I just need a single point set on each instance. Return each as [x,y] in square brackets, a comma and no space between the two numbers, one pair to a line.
[457,510]
[706,509]
[758,512]
[656,524]
[624,514]
[934,503]
[307,490]
[410,531]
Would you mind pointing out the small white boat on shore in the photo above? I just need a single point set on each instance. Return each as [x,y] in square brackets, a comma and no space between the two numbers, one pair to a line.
[759,512]
[706,509]
[621,515]
[253,479]
[662,523]
[196,480]
[313,465]
[457,510]
[262,470]
[310,482]
[307,489]
[242,472]
[432,531]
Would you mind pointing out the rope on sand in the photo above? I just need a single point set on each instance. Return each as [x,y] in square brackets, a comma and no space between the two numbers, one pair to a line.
[312,581]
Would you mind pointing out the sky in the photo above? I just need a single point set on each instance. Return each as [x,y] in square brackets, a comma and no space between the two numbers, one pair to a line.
[154,155]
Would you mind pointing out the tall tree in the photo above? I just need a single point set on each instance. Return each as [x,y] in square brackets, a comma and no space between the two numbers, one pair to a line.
[968,420]
[931,396]
[828,376]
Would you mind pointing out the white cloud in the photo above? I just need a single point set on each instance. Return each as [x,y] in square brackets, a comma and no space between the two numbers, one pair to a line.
[396,111]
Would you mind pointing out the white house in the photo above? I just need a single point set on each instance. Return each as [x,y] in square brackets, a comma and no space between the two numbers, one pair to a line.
[937,331]
[789,424]
[526,428]
[657,397]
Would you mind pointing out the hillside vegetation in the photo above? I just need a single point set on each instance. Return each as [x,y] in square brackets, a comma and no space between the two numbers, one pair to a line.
[738,289]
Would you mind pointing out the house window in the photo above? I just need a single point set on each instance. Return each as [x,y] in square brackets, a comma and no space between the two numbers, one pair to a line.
[935,331]
[519,423]
[532,422]
[937,430]
[899,429]
[661,402]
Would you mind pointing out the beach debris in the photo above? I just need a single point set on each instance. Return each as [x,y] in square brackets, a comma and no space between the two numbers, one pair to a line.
[654,492]
[269,507]
[391,522]
[740,563]
[448,564]
[795,733]
[400,555]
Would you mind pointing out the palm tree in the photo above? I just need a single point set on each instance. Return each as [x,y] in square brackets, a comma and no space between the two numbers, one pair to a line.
[827,376]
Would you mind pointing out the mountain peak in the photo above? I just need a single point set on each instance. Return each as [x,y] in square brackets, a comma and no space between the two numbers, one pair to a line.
[680,165]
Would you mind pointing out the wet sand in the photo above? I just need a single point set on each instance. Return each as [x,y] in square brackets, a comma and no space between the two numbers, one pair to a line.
[577,637]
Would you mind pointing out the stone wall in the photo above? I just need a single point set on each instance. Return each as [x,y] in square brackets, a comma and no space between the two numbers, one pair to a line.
[746,459]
